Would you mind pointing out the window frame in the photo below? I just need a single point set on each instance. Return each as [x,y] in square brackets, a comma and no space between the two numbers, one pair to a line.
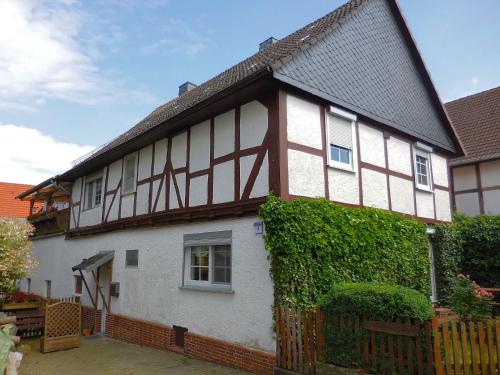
[426,154]
[131,265]
[136,167]
[210,283]
[344,115]
[93,180]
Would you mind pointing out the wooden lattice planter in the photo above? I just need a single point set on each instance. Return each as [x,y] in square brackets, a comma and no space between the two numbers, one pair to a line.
[62,327]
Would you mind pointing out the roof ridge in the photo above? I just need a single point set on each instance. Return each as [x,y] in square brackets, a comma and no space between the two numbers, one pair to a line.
[470,96]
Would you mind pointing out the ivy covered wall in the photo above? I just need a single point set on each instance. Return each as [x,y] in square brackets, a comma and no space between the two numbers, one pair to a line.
[314,244]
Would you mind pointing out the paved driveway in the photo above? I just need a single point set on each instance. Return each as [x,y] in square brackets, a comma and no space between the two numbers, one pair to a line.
[100,355]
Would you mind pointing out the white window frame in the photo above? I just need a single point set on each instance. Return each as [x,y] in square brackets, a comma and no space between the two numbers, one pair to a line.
[210,283]
[353,157]
[424,153]
[136,167]
[92,180]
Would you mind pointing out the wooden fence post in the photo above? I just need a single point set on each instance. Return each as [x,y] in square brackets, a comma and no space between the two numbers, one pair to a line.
[438,361]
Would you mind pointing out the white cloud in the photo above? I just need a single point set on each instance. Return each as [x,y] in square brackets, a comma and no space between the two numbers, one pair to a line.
[50,49]
[475,81]
[28,156]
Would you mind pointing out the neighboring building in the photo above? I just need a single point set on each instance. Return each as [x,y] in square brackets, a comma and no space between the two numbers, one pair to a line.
[10,207]
[343,108]
[476,176]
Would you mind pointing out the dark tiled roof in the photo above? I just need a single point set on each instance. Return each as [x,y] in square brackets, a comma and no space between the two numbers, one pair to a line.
[476,119]
[266,58]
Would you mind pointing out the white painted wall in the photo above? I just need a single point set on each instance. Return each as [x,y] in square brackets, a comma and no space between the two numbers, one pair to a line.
[200,147]
[152,292]
[303,122]
[371,142]
[467,203]
[490,173]
[253,124]
[305,174]
[374,189]
[464,178]
[402,195]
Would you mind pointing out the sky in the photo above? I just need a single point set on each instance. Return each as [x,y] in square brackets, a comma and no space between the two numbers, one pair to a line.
[76,74]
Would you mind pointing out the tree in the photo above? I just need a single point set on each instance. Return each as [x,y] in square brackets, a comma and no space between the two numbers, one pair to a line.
[16,258]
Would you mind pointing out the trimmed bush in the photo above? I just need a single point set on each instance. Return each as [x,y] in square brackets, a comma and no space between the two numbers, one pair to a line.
[315,244]
[377,301]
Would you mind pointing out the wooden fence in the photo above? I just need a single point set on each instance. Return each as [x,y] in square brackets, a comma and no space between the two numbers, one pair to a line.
[430,347]
[62,326]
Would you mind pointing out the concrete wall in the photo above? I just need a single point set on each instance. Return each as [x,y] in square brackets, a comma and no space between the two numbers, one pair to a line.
[151,291]
[477,188]
[153,172]
[384,162]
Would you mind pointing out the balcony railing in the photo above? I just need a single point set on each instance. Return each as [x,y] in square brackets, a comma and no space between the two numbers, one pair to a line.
[50,222]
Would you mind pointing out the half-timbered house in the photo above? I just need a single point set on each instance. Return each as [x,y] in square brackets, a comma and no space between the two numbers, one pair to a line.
[167,213]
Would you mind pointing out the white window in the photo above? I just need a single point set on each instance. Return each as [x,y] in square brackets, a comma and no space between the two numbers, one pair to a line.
[129,173]
[423,176]
[207,260]
[341,139]
[93,189]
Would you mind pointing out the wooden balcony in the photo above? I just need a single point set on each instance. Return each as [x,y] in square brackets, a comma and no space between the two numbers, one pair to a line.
[50,222]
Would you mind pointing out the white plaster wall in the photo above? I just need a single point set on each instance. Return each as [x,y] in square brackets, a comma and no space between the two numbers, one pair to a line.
[91,216]
[464,178]
[144,165]
[114,174]
[374,189]
[223,190]
[181,182]
[151,292]
[402,195]
[261,185]
[399,155]
[127,205]
[343,186]
[443,209]
[492,202]
[224,140]
[305,174]
[199,149]
[490,173]
[303,122]
[425,204]
[371,143]
[142,205]
[467,203]
[160,206]
[439,170]
[179,150]
[198,191]
[253,124]
[75,197]
[160,155]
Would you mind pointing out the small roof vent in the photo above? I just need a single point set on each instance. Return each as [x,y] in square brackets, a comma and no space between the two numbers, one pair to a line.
[267,42]
[185,87]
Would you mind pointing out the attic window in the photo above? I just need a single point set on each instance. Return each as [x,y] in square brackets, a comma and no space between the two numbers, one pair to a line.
[93,191]
[422,170]
[341,152]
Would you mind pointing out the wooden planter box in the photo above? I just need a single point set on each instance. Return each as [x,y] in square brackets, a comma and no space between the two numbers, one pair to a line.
[20,306]
[52,344]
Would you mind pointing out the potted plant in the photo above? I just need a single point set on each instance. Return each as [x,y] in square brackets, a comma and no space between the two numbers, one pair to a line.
[88,329]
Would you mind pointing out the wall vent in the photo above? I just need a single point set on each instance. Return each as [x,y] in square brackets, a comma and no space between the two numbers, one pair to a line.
[114,289]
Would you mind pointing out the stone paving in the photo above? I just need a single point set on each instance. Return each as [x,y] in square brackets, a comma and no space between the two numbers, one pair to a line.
[99,355]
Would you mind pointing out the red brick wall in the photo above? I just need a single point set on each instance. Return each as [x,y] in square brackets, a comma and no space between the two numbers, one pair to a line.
[160,336]
[91,316]
[139,332]
[229,354]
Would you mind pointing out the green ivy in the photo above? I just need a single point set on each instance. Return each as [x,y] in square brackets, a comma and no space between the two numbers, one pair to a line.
[315,244]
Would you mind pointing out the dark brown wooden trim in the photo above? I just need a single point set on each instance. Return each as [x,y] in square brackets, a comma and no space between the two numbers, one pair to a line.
[432,180]
[119,189]
[234,155]
[150,196]
[168,173]
[201,213]
[188,158]
[113,201]
[477,169]
[412,156]
[441,187]
[358,152]
[451,182]
[82,199]
[73,217]
[388,175]
[324,151]
[210,195]
[103,210]
[274,148]
[390,172]
[136,181]
[237,147]
[304,148]
[150,179]
[467,191]
[200,173]
[256,168]
[176,186]
[283,141]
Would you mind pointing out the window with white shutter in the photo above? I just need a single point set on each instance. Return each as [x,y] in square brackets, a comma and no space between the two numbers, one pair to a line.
[340,141]
[129,173]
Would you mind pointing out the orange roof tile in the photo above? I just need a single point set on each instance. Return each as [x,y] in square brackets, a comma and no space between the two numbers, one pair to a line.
[9,205]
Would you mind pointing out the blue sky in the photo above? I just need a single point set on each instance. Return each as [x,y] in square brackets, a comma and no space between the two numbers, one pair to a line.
[78,73]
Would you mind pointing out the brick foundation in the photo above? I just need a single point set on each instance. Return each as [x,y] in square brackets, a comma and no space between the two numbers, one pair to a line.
[91,317]
[162,337]
[229,354]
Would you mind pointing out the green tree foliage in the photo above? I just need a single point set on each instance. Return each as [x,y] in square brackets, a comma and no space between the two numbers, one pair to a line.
[16,259]
[315,244]
[469,300]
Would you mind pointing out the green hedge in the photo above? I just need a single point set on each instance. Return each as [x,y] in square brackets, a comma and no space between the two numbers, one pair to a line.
[315,244]
[377,301]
